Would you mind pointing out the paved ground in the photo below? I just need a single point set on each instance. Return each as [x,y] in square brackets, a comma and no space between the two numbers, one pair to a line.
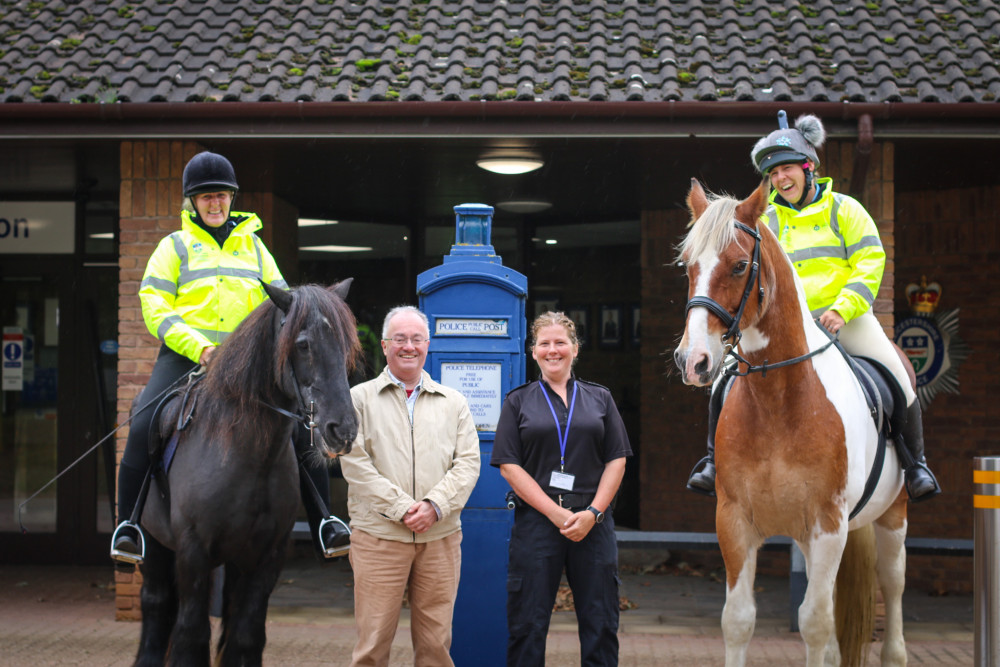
[65,616]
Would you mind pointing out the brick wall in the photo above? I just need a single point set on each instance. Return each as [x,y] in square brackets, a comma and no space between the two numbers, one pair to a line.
[953,238]
[673,416]
[150,204]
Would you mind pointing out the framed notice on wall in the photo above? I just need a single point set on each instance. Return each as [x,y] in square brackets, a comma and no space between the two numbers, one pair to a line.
[611,327]
[480,383]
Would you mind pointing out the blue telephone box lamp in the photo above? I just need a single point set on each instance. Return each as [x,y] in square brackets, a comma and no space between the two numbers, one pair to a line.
[475,307]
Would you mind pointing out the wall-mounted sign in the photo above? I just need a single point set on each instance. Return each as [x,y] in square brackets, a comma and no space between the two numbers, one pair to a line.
[13,359]
[930,341]
[468,326]
[480,384]
[30,227]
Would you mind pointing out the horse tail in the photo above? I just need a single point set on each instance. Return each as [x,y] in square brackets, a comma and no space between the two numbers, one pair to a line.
[855,597]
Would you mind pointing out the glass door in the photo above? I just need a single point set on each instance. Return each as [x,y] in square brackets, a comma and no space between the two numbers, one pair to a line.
[60,326]
[29,426]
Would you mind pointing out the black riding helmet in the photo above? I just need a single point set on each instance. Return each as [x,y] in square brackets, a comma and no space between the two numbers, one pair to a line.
[208,172]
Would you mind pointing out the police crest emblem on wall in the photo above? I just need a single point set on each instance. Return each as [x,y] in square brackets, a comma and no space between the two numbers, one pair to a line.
[930,340]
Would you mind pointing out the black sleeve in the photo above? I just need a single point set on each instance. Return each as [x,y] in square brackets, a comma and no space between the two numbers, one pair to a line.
[507,441]
[616,444]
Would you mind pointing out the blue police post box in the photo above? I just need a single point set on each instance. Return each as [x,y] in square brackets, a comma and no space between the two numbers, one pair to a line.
[476,311]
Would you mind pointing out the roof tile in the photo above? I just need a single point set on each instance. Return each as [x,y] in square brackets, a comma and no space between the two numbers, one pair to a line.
[428,50]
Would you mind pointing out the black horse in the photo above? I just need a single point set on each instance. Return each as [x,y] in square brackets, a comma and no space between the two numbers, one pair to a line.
[232,492]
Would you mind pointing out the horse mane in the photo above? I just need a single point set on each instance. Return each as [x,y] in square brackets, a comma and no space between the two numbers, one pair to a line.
[713,230]
[249,366]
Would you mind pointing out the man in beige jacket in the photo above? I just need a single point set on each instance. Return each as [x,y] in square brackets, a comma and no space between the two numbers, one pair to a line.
[409,473]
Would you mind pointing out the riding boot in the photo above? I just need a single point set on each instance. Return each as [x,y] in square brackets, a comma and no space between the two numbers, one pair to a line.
[703,480]
[126,539]
[920,481]
[331,536]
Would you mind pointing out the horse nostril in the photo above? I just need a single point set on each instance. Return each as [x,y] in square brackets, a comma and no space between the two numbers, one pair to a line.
[702,365]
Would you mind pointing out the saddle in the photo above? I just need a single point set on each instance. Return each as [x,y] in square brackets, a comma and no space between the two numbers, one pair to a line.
[886,405]
[163,443]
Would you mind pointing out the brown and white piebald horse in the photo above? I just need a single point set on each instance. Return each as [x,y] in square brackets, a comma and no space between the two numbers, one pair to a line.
[794,445]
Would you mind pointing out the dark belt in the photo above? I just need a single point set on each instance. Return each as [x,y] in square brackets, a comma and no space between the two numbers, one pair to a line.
[570,500]
[567,500]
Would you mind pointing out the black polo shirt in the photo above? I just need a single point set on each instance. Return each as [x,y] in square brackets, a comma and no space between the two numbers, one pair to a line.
[526,434]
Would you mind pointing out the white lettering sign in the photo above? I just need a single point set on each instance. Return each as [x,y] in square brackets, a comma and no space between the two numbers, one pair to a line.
[469,327]
[30,227]
[13,359]
[480,384]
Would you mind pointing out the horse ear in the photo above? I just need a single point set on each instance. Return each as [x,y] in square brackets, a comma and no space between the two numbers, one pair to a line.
[697,202]
[281,298]
[751,208]
[341,288]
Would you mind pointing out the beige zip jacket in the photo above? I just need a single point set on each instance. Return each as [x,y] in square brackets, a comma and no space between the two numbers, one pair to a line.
[394,464]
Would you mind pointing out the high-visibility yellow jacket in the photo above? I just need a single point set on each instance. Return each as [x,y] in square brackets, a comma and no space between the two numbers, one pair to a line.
[195,293]
[835,248]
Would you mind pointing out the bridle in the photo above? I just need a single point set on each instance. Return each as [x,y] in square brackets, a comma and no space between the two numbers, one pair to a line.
[732,322]
[304,416]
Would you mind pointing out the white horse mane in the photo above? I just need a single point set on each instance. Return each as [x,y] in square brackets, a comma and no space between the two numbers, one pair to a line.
[714,230]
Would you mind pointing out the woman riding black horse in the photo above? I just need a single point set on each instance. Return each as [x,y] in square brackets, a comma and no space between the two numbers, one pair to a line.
[199,284]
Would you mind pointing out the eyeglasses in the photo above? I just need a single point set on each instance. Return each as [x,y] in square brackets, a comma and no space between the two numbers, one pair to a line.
[400,339]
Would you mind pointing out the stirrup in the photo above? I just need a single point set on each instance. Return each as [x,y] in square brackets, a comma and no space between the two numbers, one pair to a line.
[694,471]
[333,551]
[921,465]
[126,556]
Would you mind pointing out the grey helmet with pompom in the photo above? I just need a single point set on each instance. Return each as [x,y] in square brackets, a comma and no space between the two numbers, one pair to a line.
[787,145]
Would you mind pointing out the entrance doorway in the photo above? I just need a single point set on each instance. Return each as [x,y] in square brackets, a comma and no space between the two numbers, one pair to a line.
[57,403]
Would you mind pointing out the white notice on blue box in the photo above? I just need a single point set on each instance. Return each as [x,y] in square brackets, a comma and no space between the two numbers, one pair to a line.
[480,384]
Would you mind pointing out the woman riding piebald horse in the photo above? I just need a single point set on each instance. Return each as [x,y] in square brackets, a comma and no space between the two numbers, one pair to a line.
[834,245]
[199,284]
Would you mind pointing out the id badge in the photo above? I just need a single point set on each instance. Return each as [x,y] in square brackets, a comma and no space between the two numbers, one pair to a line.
[562,480]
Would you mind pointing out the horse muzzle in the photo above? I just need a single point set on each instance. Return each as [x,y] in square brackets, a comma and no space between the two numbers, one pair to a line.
[337,438]
[696,367]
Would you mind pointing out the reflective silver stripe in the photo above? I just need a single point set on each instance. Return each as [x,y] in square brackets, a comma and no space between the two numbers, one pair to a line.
[260,256]
[197,274]
[835,223]
[861,290]
[216,337]
[772,220]
[202,274]
[184,270]
[817,253]
[169,321]
[280,283]
[865,242]
[161,284]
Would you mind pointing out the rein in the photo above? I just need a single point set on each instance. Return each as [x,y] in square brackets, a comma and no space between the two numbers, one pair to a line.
[765,367]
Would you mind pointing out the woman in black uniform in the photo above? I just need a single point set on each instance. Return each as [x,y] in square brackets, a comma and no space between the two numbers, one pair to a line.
[561,445]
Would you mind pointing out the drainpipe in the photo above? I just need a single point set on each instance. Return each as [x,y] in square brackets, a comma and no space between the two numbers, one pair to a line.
[862,156]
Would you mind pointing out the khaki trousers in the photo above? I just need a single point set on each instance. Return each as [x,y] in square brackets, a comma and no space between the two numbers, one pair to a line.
[382,571]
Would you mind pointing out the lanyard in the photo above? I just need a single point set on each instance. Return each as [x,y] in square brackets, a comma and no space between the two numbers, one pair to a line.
[563,437]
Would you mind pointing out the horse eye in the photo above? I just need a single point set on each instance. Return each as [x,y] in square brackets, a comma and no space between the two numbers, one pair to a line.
[740,267]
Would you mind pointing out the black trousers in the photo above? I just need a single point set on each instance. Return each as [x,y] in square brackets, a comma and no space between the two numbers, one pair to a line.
[538,556]
[169,367]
